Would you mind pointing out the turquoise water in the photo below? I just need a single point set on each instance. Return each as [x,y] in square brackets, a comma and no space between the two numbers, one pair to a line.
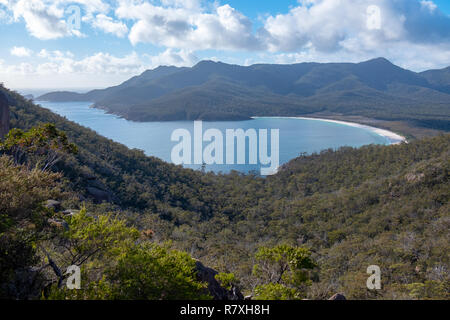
[296,136]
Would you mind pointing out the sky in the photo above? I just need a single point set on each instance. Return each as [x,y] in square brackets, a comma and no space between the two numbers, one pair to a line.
[61,44]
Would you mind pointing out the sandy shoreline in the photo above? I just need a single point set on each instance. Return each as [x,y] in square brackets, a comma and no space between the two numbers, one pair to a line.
[393,137]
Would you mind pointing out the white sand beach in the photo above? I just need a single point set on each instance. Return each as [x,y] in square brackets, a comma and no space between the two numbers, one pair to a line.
[393,137]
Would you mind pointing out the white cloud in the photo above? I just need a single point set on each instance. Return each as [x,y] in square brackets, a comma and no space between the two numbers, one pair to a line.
[326,25]
[171,57]
[42,21]
[57,62]
[188,27]
[416,57]
[413,34]
[430,5]
[108,25]
[314,28]
[5,17]
[56,69]
[21,52]
[50,19]
[188,4]
[65,63]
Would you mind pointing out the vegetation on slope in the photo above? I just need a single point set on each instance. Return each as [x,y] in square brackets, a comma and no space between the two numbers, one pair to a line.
[344,210]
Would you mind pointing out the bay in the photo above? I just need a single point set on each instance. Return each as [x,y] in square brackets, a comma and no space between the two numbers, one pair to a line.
[297,136]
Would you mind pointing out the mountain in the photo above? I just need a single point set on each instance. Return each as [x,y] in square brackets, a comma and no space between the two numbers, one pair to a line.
[218,91]
[440,79]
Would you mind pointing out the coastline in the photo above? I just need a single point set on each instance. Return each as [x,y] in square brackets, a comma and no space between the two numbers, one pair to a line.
[393,137]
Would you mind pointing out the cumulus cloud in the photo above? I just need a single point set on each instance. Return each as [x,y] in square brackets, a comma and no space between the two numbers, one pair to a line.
[416,57]
[411,33]
[50,19]
[188,27]
[340,30]
[188,4]
[320,28]
[108,25]
[56,62]
[171,57]
[42,21]
[21,52]
[328,25]
[61,69]
[5,17]
[64,63]
[430,5]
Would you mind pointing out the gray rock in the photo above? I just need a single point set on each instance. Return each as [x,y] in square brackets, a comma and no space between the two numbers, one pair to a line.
[70,212]
[88,176]
[25,284]
[99,195]
[58,223]
[53,204]
[338,296]
[4,115]
[207,275]
[97,184]
[105,171]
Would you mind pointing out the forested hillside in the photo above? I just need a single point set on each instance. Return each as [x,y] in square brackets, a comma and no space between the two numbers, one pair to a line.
[333,213]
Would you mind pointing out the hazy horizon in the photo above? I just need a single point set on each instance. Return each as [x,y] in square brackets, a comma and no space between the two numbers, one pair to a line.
[43,90]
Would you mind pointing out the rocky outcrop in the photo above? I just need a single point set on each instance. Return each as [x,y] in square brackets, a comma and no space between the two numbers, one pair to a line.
[24,284]
[99,195]
[58,223]
[4,115]
[207,275]
[53,205]
[338,296]
[70,212]
[97,189]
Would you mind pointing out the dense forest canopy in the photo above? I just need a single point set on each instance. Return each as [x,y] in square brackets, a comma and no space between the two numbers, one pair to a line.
[124,218]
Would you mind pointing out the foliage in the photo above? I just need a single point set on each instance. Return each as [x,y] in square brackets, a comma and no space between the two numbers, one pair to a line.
[143,272]
[42,146]
[23,221]
[88,236]
[276,291]
[430,289]
[154,272]
[283,269]
[227,280]
[382,205]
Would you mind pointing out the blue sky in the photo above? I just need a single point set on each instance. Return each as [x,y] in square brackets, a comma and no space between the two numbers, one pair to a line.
[47,44]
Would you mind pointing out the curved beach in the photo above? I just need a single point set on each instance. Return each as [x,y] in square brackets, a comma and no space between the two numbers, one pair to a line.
[393,137]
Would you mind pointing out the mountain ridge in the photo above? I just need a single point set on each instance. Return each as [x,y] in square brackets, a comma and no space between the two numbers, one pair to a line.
[218,91]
